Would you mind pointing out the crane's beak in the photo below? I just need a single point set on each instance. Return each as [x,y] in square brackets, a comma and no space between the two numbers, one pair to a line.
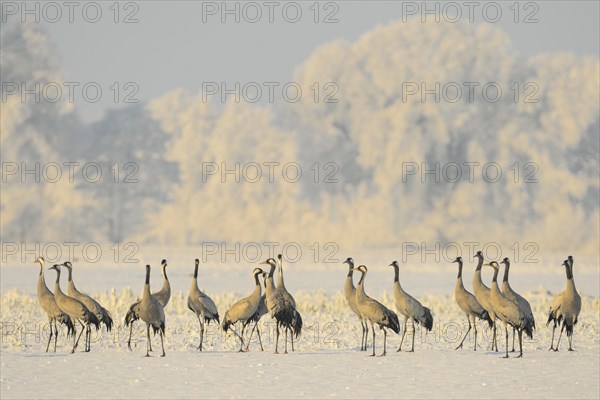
[262,263]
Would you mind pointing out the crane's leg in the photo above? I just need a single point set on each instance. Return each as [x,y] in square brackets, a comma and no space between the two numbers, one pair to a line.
[384,342]
[286,329]
[162,344]
[552,342]
[494,342]
[513,346]
[506,330]
[373,328]
[366,335]
[77,341]
[292,337]
[466,334]
[49,337]
[242,340]
[403,334]
[259,339]
[148,350]
[88,335]
[475,329]
[362,337]
[520,342]
[276,337]
[412,321]
[130,334]
[559,336]
[56,334]
[570,337]
[200,327]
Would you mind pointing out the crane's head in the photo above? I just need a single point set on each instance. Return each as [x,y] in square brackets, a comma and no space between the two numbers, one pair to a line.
[492,264]
[55,267]
[570,258]
[362,268]
[349,261]
[279,257]
[68,265]
[270,261]
[163,263]
[394,264]
[458,260]
[40,260]
[196,261]
[147,267]
[479,255]
[257,271]
[505,260]
[566,263]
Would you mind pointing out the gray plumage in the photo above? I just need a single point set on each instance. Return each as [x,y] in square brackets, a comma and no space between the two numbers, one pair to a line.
[410,308]
[569,307]
[350,293]
[49,306]
[280,307]
[152,313]
[163,296]
[101,313]
[469,305]
[375,312]
[201,305]
[261,310]
[482,294]
[508,312]
[295,326]
[516,298]
[77,311]
[242,310]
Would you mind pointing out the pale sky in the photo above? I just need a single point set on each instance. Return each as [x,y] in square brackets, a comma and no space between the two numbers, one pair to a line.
[171,47]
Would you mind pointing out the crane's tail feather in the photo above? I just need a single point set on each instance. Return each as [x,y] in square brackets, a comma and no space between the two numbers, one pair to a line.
[92,319]
[296,323]
[160,328]
[427,319]
[107,319]
[132,314]
[394,323]
[66,320]
[486,317]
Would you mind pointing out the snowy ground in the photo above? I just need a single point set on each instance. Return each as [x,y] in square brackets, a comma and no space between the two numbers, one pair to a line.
[327,363]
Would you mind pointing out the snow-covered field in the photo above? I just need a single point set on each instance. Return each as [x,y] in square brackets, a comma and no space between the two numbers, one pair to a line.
[327,363]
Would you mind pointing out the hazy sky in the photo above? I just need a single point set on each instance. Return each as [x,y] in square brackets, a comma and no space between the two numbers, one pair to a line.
[171,46]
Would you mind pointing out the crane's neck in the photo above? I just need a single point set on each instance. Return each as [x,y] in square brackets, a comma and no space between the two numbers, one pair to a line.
[460,267]
[195,278]
[350,270]
[506,268]
[147,283]
[360,288]
[280,276]
[57,283]
[495,278]
[165,285]
[479,263]
[70,279]
[257,288]
[396,274]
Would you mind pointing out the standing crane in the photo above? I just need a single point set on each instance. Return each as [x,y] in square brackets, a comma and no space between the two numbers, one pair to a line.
[201,305]
[163,296]
[482,294]
[509,312]
[513,296]
[410,308]
[350,293]
[75,310]
[261,310]
[152,313]
[570,306]
[48,304]
[280,307]
[375,312]
[295,326]
[469,305]
[101,313]
[244,309]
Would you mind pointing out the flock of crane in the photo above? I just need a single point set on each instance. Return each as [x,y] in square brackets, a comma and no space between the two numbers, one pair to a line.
[486,303]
